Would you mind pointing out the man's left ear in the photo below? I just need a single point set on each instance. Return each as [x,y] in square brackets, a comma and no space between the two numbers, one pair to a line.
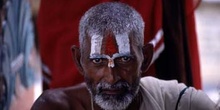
[148,51]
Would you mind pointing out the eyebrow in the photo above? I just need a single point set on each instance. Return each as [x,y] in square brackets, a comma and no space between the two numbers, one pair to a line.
[93,56]
[116,55]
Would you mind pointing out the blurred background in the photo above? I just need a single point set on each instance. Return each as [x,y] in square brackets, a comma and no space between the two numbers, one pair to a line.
[28,75]
[207,25]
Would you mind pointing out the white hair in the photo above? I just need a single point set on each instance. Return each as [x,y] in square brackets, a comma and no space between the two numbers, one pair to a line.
[114,17]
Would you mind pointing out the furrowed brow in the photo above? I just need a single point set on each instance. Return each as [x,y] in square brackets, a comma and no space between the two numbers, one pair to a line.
[117,55]
[93,56]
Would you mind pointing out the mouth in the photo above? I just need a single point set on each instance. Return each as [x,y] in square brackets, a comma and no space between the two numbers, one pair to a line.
[113,91]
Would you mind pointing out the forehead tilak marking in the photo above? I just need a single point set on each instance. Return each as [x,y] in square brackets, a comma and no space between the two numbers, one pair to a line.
[123,43]
[96,44]
[111,46]
[123,47]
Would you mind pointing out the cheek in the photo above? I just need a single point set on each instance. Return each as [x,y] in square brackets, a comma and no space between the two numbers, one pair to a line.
[93,75]
[129,73]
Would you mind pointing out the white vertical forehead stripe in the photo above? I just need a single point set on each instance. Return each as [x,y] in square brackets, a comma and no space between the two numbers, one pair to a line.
[123,43]
[96,44]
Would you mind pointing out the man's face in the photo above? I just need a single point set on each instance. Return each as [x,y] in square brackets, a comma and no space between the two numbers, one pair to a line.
[112,67]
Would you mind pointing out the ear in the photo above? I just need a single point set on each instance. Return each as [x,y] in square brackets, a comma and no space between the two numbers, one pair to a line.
[76,58]
[148,51]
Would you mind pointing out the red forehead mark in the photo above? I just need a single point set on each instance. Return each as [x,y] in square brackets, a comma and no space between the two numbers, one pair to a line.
[111,45]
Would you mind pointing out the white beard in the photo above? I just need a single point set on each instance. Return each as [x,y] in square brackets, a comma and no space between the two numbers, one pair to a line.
[112,103]
[115,102]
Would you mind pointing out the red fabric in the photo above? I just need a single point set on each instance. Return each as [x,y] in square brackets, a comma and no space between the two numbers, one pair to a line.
[192,43]
[180,59]
[57,26]
[58,29]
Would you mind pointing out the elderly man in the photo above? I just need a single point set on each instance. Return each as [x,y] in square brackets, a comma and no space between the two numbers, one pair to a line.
[112,57]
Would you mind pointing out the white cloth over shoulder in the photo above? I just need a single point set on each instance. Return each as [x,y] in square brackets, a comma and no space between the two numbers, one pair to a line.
[163,95]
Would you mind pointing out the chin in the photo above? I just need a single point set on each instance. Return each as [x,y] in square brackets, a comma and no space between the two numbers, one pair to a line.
[117,101]
[114,102]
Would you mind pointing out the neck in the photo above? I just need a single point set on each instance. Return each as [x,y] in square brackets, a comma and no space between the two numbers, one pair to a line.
[136,103]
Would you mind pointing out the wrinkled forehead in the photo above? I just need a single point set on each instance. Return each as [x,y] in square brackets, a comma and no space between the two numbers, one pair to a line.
[110,44]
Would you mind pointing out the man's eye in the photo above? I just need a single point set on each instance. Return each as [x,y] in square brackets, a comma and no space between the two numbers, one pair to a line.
[97,60]
[125,59]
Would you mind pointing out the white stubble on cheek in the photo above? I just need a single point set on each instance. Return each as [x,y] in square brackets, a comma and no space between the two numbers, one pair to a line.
[96,44]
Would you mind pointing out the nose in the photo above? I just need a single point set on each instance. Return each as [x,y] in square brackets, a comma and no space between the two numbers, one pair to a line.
[111,76]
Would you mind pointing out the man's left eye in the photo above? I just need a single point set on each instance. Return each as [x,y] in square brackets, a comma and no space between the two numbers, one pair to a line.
[125,59]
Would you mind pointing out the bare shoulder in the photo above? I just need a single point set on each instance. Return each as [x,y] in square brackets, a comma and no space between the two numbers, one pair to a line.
[62,98]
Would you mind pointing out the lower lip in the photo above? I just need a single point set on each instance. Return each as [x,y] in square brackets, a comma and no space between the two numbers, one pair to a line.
[112,92]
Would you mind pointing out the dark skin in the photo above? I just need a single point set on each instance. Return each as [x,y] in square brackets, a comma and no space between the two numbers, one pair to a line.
[78,97]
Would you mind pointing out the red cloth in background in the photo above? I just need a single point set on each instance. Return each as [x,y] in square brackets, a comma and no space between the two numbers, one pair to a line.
[57,26]
[180,59]
[58,30]
[192,41]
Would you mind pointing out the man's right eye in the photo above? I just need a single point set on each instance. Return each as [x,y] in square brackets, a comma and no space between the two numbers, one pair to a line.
[97,60]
